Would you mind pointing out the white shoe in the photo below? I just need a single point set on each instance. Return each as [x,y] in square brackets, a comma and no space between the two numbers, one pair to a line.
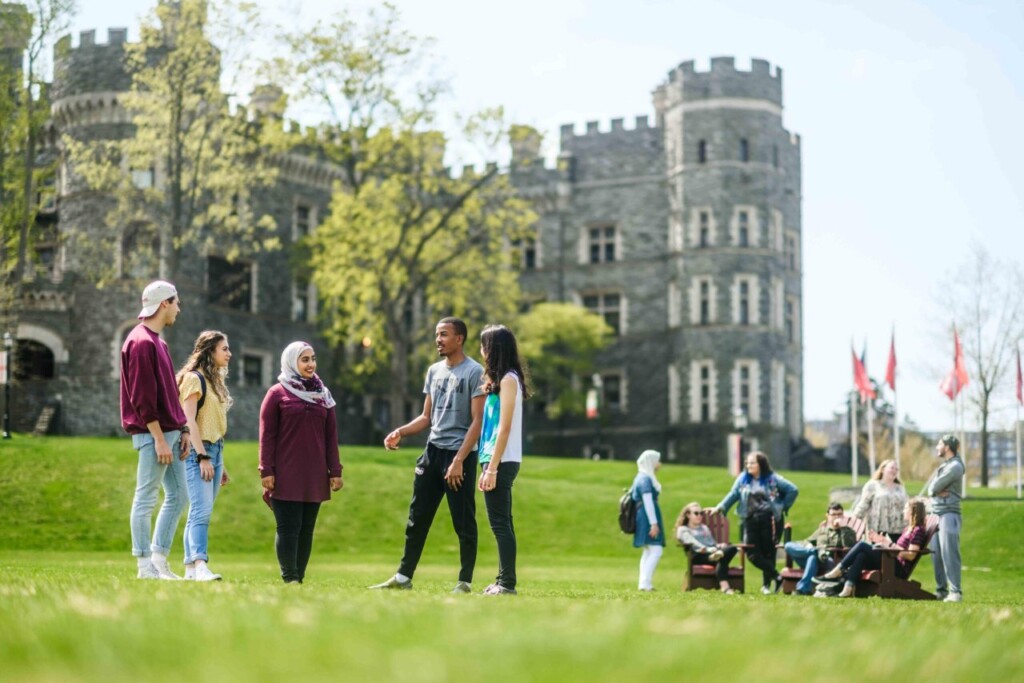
[190,573]
[203,573]
[462,587]
[164,572]
[954,597]
[148,571]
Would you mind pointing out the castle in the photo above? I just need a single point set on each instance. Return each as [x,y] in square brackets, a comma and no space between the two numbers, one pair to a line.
[684,233]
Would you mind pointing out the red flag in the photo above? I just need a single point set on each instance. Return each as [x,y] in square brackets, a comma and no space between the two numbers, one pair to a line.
[860,378]
[1020,382]
[957,378]
[890,371]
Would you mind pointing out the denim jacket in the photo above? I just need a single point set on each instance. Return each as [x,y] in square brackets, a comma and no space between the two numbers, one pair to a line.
[781,492]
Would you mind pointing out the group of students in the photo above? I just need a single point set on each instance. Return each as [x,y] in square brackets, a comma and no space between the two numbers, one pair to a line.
[178,421]
[763,498]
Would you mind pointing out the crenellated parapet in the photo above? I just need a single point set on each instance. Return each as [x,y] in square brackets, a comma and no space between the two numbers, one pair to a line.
[722,81]
[89,66]
[617,127]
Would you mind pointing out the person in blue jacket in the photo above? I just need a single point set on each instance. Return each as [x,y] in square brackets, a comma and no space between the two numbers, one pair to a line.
[649,534]
[759,476]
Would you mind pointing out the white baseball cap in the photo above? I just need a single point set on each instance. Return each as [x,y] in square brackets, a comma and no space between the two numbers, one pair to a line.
[153,294]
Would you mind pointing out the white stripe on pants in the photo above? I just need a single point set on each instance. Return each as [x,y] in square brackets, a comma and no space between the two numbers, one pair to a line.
[648,563]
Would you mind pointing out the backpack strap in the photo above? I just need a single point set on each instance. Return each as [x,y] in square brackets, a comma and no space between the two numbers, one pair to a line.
[202,393]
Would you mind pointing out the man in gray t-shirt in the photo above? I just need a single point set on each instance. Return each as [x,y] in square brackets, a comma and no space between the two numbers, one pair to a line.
[452,409]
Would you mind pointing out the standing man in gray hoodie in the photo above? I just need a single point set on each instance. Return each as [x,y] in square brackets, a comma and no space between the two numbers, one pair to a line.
[945,487]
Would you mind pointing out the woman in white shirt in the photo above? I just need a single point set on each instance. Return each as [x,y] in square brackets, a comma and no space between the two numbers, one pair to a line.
[501,445]
[881,501]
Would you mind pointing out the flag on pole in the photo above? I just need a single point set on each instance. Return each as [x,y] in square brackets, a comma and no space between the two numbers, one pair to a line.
[860,378]
[1020,382]
[957,378]
[890,370]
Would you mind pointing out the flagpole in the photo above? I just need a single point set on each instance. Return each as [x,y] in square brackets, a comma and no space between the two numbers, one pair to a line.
[853,435]
[871,437]
[896,428]
[963,440]
[1018,449]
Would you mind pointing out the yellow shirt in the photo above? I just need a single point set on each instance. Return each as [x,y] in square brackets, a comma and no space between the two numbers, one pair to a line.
[212,420]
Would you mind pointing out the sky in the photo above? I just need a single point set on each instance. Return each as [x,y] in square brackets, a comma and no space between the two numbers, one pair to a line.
[909,114]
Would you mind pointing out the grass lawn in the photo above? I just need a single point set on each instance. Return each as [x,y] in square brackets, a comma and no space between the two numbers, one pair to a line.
[70,608]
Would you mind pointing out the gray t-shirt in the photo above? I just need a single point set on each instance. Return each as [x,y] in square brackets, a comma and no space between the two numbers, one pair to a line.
[451,392]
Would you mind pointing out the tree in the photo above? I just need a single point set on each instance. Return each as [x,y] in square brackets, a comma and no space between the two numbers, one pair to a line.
[560,342]
[987,304]
[25,33]
[191,170]
[405,239]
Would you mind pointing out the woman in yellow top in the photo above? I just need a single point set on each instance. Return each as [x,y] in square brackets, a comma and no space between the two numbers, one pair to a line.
[206,400]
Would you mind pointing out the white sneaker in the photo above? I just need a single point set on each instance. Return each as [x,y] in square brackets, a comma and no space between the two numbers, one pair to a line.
[462,587]
[148,571]
[164,572]
[203,573]
[954,597]
[190,573]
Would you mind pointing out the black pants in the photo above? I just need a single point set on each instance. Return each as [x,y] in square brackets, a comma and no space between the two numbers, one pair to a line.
[762,554]
[499,514]
[428,488]
[863,556]
[722,566]
[295,523]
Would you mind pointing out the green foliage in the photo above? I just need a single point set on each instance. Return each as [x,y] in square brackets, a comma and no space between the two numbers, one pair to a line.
[405,241]
[208,164]
[72,612]
[560,342]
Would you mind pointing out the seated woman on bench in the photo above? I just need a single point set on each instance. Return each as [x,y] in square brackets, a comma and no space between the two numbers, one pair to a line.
[868,554]
[693,533]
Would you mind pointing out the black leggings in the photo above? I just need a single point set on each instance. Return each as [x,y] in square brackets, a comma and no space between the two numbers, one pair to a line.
[762,554]
[722,566]
[294,542]
[499,514]
[863,556]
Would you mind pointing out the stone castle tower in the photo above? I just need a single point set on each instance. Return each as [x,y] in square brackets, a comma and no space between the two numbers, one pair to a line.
[685,235]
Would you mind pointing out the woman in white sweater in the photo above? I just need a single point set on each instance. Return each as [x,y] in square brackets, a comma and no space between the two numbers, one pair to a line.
[881,501]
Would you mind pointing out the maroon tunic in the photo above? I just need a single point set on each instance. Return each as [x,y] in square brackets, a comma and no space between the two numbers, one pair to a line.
[148,390]
[298,446]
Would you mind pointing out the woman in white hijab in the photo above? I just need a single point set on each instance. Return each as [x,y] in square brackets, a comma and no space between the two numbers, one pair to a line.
[299,463]
[649,534]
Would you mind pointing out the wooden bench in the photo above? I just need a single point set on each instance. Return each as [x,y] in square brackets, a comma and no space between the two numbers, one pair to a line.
[703,575]
[792,572]
[886,584]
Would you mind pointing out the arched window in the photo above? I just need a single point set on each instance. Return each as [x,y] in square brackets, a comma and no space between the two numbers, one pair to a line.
[33,360]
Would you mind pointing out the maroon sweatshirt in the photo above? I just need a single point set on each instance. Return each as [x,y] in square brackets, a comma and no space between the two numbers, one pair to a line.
[148,389]
[298,446]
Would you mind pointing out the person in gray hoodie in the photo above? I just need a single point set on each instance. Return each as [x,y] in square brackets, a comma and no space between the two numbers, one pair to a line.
[945,487]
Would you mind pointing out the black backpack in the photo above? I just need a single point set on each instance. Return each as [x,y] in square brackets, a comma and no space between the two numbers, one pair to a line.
[627,512]
[202,392]
[759,524]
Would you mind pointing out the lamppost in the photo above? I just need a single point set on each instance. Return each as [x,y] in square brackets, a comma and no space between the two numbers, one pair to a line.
[739,423]
[8,345]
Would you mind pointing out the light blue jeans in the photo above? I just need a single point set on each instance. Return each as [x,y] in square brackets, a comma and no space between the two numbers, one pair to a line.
[201,495]
[807,557]
[148,480]
[946,557]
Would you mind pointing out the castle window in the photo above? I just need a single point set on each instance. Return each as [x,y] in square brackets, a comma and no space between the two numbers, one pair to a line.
[673,394]
[705,302]
[254,369]
[613,392]
[743,234]
[705,229]
[791,251]
[608,306]
[745,388]
[230,284]
[702,300]
[303,296]
[775,156]
[526,250]
[744,150]
[601,244]
[744,303]
[302,222]
[702,151]
[32,360]
[792,320]
[702,391]
[745,294]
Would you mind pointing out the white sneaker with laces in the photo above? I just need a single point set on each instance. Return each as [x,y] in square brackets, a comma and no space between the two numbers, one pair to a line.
[190,573]
[953,597]
[148,571]
[203,573]
[164,572]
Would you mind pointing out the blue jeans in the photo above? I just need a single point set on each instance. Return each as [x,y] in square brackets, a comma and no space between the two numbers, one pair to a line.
[946,553]
[807,557]
[148,480]
[201,495]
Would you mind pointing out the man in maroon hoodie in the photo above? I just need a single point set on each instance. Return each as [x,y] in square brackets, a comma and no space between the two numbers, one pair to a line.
[152,414]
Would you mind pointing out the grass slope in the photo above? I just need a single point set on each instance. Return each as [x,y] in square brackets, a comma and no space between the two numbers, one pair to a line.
[70,609]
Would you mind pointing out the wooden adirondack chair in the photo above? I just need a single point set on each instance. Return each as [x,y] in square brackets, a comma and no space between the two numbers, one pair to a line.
[885,584]
[792,573]
[703,575]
